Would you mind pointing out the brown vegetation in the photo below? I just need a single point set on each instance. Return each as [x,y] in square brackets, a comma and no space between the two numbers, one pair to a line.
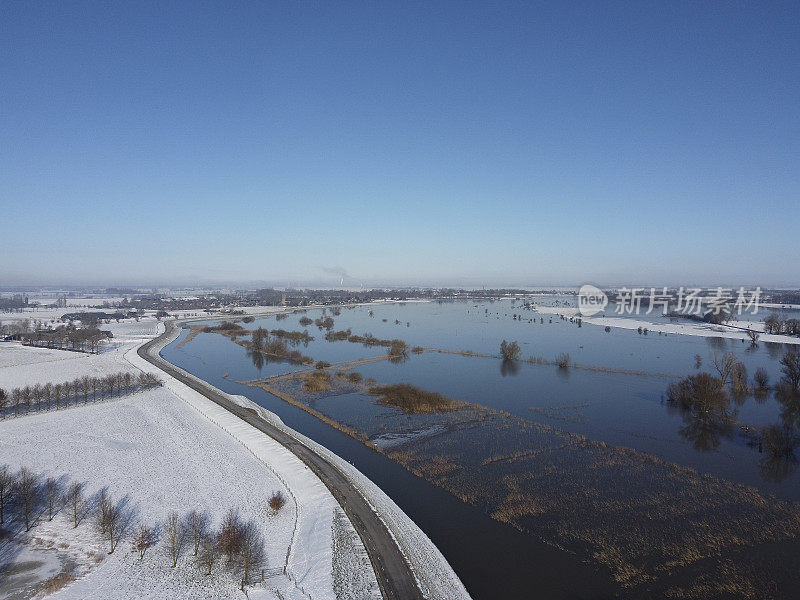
[317,382]
[277,501]
[509,350]
[412,399]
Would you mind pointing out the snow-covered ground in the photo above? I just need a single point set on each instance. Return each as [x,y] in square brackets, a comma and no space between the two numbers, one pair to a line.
[165,449]
[735,329]
[435,576]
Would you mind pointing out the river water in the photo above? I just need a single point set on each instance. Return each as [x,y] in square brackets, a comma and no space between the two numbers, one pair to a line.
[617,398]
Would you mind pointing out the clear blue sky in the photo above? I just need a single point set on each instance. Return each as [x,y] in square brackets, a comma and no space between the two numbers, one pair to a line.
[400,142]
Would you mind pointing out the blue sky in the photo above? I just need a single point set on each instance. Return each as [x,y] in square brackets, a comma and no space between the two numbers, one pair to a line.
[400,143]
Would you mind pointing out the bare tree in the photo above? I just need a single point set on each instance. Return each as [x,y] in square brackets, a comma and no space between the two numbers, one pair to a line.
[773,324]
[724,365]
[16,399]
[109,382]
[26,398]
[251,551]
[86,386]
[173,534]
[207,554]
[76,389]
[144,539]
[57,394]
[509,351]
[47,393]
[27,489]
[739,378]
[52,491]
[75,500]
[753,335]
[4,400]
[102,505]
[7,481]
[113,524]
[791,368]
[229,537]
[761,378]
[197,525]
[67,388]
[36,394]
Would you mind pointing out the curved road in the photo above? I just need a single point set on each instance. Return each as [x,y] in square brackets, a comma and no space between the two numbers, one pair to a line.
[394,576]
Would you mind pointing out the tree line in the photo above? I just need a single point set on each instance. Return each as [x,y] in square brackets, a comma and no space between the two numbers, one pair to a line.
[26,498]
[49,396]
[775,324]
[81,339]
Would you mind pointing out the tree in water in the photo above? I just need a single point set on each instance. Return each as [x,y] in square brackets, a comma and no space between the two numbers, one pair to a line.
[510,351]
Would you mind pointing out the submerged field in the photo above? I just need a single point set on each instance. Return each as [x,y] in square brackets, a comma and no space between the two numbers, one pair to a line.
[590,459]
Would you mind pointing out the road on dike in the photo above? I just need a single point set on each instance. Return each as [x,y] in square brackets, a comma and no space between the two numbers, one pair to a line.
[394,576]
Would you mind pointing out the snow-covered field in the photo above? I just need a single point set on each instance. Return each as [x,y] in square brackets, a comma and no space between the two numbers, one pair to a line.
[161,450]
[435,576]
[734,330]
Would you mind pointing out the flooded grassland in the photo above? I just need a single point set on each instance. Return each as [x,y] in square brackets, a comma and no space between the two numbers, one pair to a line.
[596,460]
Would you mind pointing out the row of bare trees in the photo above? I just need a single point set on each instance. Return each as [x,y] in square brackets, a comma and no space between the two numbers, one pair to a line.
[81,339]
[775,324]
[27,498]
[731,370]
[49,396]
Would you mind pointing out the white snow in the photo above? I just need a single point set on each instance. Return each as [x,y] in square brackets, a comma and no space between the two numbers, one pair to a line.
[734,330]
[435,576]
[166,449]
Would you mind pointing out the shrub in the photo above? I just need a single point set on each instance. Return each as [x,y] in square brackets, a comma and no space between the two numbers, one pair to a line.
[761,378]
[563,360]
[326,323]
[791,368]
[701,394]
[337,336]
[277,501]
[779,441]
[398,348]
[317,382]
[354,377]
[322,364]
[509,351]
[739,378]
[411,399]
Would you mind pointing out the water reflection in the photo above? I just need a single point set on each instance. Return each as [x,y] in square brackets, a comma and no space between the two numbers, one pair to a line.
[704,405]
[790,405]
[258,359]
[774,349]
[778,443]
[705,434]
[509,367]
[716,343]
